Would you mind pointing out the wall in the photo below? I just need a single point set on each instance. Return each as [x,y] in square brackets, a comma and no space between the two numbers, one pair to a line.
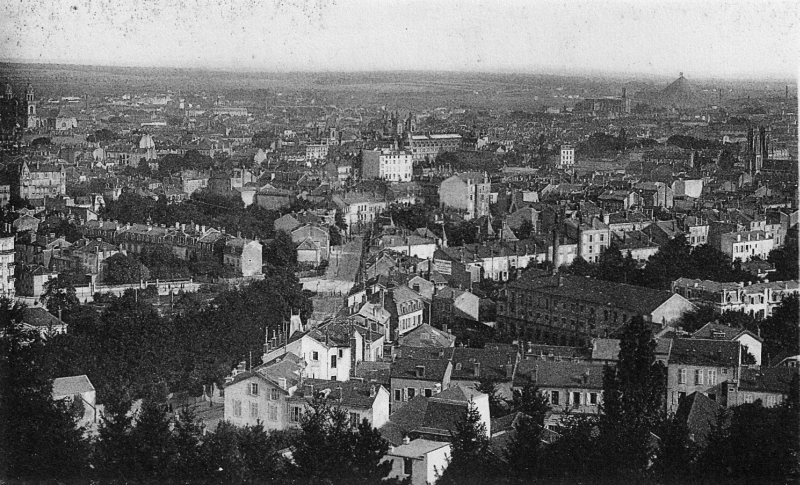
[240,392]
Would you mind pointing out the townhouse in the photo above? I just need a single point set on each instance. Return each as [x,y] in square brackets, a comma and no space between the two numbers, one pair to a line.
[700,365]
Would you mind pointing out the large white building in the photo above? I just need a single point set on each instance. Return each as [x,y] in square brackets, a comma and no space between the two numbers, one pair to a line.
[747,244]
[567,160]
[426,147]
[390,165]
[7,266]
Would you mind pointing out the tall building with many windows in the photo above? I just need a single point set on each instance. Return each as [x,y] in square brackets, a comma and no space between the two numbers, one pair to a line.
[389,165]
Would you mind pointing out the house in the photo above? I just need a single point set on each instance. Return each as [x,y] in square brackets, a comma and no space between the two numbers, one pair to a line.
[450,304]
[411,245]
[325,350]
[466,192]
[42,321]
[74,388]
[770,385]
[360,400]
[471,366]
[570,387]
[359,209]
[435,417]
[422,373]
[262,393]
[312,243]
[750,342]
[757,300]
[427,337]
[407,309]
[700,414]
[700,365]
[421,461]
[244,255]
[744,245]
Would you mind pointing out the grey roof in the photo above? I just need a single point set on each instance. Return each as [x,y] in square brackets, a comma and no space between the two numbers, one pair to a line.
[69,386]
[704,352]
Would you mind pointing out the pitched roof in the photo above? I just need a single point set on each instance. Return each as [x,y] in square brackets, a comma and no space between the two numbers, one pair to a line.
[352,393]
[492,363]
[427,336]
[709,330]
[563,374]
[39,317]
[69,386]
[417,448]
[432,369]
[700,413]
[633,298]
[695,351]
[767,379]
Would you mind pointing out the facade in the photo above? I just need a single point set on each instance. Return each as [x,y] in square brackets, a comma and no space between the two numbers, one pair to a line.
[411,377]
[570,310]
[7,279]
[570,387]
[770,385]
[313,243]
[37,181]
[757,300]
[326,352]
[747,244]
[409,308]
[359,209]
[593,237]
[421,461]
[244,255]
[469,192]
[567,160]
[700,365]
[360,400]
[389,165]
[426,147]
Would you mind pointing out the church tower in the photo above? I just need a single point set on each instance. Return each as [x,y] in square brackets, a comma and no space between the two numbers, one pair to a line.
[30,108]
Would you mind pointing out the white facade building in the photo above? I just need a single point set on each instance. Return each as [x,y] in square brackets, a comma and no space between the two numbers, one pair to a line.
[567,160]
[390,165]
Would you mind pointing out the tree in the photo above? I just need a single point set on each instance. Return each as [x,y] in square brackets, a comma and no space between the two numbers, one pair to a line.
[531,402]
[780,331]
[39,437]
[153,441]
[488,386]
[281,252]
[335,236]
[115,450]
[124,269]
[525,448]
[633,395]
[187,460]
[785,258]
[470,460]
[525,230]
[221,455]
[59,296]
[329,450]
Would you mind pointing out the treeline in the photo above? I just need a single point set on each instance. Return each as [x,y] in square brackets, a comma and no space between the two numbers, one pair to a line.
[632,440]
[203,208]
[126,347]
[40,439]
[675,259]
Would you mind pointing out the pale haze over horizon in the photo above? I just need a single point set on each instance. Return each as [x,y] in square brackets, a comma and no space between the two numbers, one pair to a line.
[654,38]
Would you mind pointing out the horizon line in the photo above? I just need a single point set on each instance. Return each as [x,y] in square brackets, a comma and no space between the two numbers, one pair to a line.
[542,71]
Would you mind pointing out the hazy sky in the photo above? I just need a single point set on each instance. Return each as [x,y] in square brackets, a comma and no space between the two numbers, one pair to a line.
[702,38]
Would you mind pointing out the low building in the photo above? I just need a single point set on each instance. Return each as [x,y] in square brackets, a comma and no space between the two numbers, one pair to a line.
[750,342]
[359,400]
[78,389]
[419,375]
[770,385]
[420,461]
[701,365]
[244,255]
[758,300]
[744,245]
[570,387]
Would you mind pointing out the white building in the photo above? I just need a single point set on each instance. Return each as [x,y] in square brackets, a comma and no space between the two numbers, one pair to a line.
[391,165]
[7,266]
[567,160]
[325,351]
[423,461]
[746,244]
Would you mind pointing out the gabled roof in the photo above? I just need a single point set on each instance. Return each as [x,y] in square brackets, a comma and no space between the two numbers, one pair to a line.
[39,317]
[492,363]
[700,413]
[352,393]
[709,330]
[427,336]
[705,352]
[561,374]
[69,386]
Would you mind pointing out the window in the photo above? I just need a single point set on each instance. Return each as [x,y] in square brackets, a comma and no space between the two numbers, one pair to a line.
[314,355]
[712,377]
[592,398]
[354,419]
[576,398]
[554,398]
[296,411]
[682,376]
[273,412]
[398,395]
[341,353]
[698,377]
[274,394]
[333,361]
[254,410]
[237,408]
[428,392]
[411,393]
[407,466]
[253,389]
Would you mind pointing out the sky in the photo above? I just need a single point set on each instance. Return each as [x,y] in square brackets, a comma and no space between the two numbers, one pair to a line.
[719,39]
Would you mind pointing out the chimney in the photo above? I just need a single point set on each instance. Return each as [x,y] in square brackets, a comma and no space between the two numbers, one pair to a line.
[586,377]
[509,370]
[339,388]
[477,369]
[373,391]
[406,440]
[309,390]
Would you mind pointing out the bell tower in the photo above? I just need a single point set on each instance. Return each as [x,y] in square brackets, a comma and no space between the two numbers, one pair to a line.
[30,107]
